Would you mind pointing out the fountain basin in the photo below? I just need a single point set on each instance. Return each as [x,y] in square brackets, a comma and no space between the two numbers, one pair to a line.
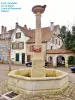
[21,81]
[38,8]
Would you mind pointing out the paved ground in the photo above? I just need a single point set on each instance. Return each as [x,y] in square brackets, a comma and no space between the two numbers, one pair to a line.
[71,75]
[4,73]
[68,94]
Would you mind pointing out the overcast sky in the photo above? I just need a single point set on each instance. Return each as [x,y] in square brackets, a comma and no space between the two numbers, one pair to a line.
[60,12]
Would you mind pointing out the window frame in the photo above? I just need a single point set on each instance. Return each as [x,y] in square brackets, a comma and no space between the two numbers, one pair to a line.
[21,43]
[18,35]
[16,45]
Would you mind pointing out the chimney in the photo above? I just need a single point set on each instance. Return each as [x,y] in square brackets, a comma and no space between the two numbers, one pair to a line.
[2,29]
[16,25]
[51,26]
[29,28]
[5,29]
[25,26]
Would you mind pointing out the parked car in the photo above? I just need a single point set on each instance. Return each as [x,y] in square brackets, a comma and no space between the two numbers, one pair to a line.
[73,69]
[46,63]
[29,64]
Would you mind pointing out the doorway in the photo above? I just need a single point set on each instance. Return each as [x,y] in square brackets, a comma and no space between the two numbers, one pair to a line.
[60,61]
[17,56]
[28,58]
[50,60]
[23,58]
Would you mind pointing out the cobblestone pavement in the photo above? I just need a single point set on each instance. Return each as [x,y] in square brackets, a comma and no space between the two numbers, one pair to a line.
[68,94]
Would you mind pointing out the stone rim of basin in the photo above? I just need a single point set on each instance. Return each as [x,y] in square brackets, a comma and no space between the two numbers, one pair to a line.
[12,74]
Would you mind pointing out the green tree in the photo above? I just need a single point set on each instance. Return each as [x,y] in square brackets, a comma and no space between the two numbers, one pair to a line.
[67,40]
[73,39]
[71,60]
[73,30]
[63,33]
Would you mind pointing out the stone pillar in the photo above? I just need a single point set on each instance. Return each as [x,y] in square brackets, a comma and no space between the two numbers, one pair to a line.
[66,61]
[38,62]
[55,61]
[38,37]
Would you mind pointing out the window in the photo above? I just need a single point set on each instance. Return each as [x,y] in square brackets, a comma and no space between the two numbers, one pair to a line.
[18,35]
[17,56]
[15,45]
[51,47]
[21,45]
[5,57]
[59,42]
[52,40]
[56,41]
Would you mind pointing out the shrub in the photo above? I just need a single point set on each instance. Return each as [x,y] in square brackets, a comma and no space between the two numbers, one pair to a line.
[71,60]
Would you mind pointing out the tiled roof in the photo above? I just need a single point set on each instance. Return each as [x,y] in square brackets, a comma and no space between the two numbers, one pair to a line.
[58,51]
[26,31]
[62,47]
[11,31]
[29,33]
[46,34]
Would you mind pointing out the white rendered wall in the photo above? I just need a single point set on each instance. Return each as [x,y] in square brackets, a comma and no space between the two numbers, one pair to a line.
[20,51]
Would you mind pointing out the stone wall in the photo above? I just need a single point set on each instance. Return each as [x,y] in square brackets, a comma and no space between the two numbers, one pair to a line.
[54,57]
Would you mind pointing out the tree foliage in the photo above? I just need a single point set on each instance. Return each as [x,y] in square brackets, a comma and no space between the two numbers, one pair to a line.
[63,33]
[68,38]
[71,60]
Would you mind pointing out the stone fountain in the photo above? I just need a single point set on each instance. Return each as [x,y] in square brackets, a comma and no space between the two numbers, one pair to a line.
[38,61]
[37,79]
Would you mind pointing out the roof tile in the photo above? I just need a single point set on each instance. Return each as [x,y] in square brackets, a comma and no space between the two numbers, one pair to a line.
[58,51]
[46,34]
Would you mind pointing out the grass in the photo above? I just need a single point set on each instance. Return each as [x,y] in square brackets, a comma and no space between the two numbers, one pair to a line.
[7,70]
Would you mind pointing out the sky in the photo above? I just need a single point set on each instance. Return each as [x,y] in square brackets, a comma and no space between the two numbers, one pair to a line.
[61,12]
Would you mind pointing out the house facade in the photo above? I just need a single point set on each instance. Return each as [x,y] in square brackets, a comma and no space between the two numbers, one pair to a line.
[18,45]
[59,57]
[4,45]
[50,40]
[21,40]
[4,50]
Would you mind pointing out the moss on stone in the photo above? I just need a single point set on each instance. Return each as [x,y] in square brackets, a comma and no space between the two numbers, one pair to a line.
[26,73]
[49,73]
[52,73]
